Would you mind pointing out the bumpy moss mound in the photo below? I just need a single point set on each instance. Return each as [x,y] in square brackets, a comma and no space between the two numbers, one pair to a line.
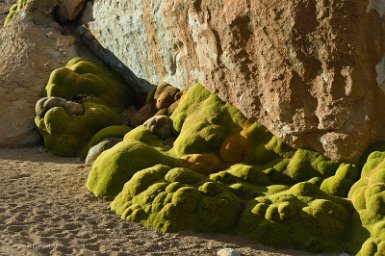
[302,217]
[81,79]
[14,10]
[368,198]
[174,199]
[117,165]
[223,173]
[67,133]
[203,121]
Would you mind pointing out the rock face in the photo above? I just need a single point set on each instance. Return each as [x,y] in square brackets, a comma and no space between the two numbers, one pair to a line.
[68,10]
[29,52]
[312,72]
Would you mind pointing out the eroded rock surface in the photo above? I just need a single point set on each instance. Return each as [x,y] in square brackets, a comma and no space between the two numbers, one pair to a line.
[310,71]
[31,46]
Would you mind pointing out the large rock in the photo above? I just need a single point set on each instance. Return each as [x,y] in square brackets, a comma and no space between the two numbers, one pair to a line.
[31,47]
[311,71]
[69,10]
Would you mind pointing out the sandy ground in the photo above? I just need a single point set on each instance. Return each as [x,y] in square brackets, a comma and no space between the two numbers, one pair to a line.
[46,210]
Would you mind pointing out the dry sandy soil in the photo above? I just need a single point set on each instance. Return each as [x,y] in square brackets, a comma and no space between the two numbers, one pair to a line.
[46,210]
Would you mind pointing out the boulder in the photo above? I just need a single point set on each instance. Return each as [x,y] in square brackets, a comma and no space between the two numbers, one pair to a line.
[160,125]
[69,10]
[312,72]
[82,99]
[31,46]
[274,194]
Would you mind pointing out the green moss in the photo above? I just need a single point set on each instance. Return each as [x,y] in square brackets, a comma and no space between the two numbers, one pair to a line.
[81,77]
[67,135]
[302,217]
[288,197]
[102,98]
[202,121]
[176,199]
[245,181]
[368,198]
[340,183]
[114,131]
[306,164]
[264,146]
[118,164]
[143,134]
[14,10]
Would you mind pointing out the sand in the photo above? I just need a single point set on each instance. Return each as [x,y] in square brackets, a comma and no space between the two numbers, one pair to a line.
[46,210]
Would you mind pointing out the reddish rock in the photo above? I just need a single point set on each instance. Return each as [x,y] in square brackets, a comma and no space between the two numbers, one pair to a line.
[69,10]
[165,95]
[310,71]
[144,113]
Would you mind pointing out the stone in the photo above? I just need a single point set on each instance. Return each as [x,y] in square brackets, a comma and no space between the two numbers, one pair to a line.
[46,103]
[163,111]
[144,113]
[228,252]
[69,10]
[160,125]
[96,150]
[31,46]
[172,107]
[312,72]
[128,114]
[165,95]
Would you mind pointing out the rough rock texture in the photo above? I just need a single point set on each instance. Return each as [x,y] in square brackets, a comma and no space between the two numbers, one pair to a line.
[310,71]
[29,52]
[68,10]
[4,10]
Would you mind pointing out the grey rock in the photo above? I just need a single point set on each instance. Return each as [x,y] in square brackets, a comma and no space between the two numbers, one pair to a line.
[161,125]
[228,252]
[97,149]
[46,103]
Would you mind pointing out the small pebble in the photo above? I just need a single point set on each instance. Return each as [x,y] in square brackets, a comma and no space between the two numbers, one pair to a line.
[344,254]
[228,252]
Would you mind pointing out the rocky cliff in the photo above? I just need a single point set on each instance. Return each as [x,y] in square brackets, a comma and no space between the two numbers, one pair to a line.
[312,72]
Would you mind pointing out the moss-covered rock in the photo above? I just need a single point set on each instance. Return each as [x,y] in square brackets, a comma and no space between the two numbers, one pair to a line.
[247,181]
[67,135]
[368,197]
[202,121]
[117,165]
[176,199]
[90,89]
[220,165]
[83,79]
[14,10]
[302,217]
